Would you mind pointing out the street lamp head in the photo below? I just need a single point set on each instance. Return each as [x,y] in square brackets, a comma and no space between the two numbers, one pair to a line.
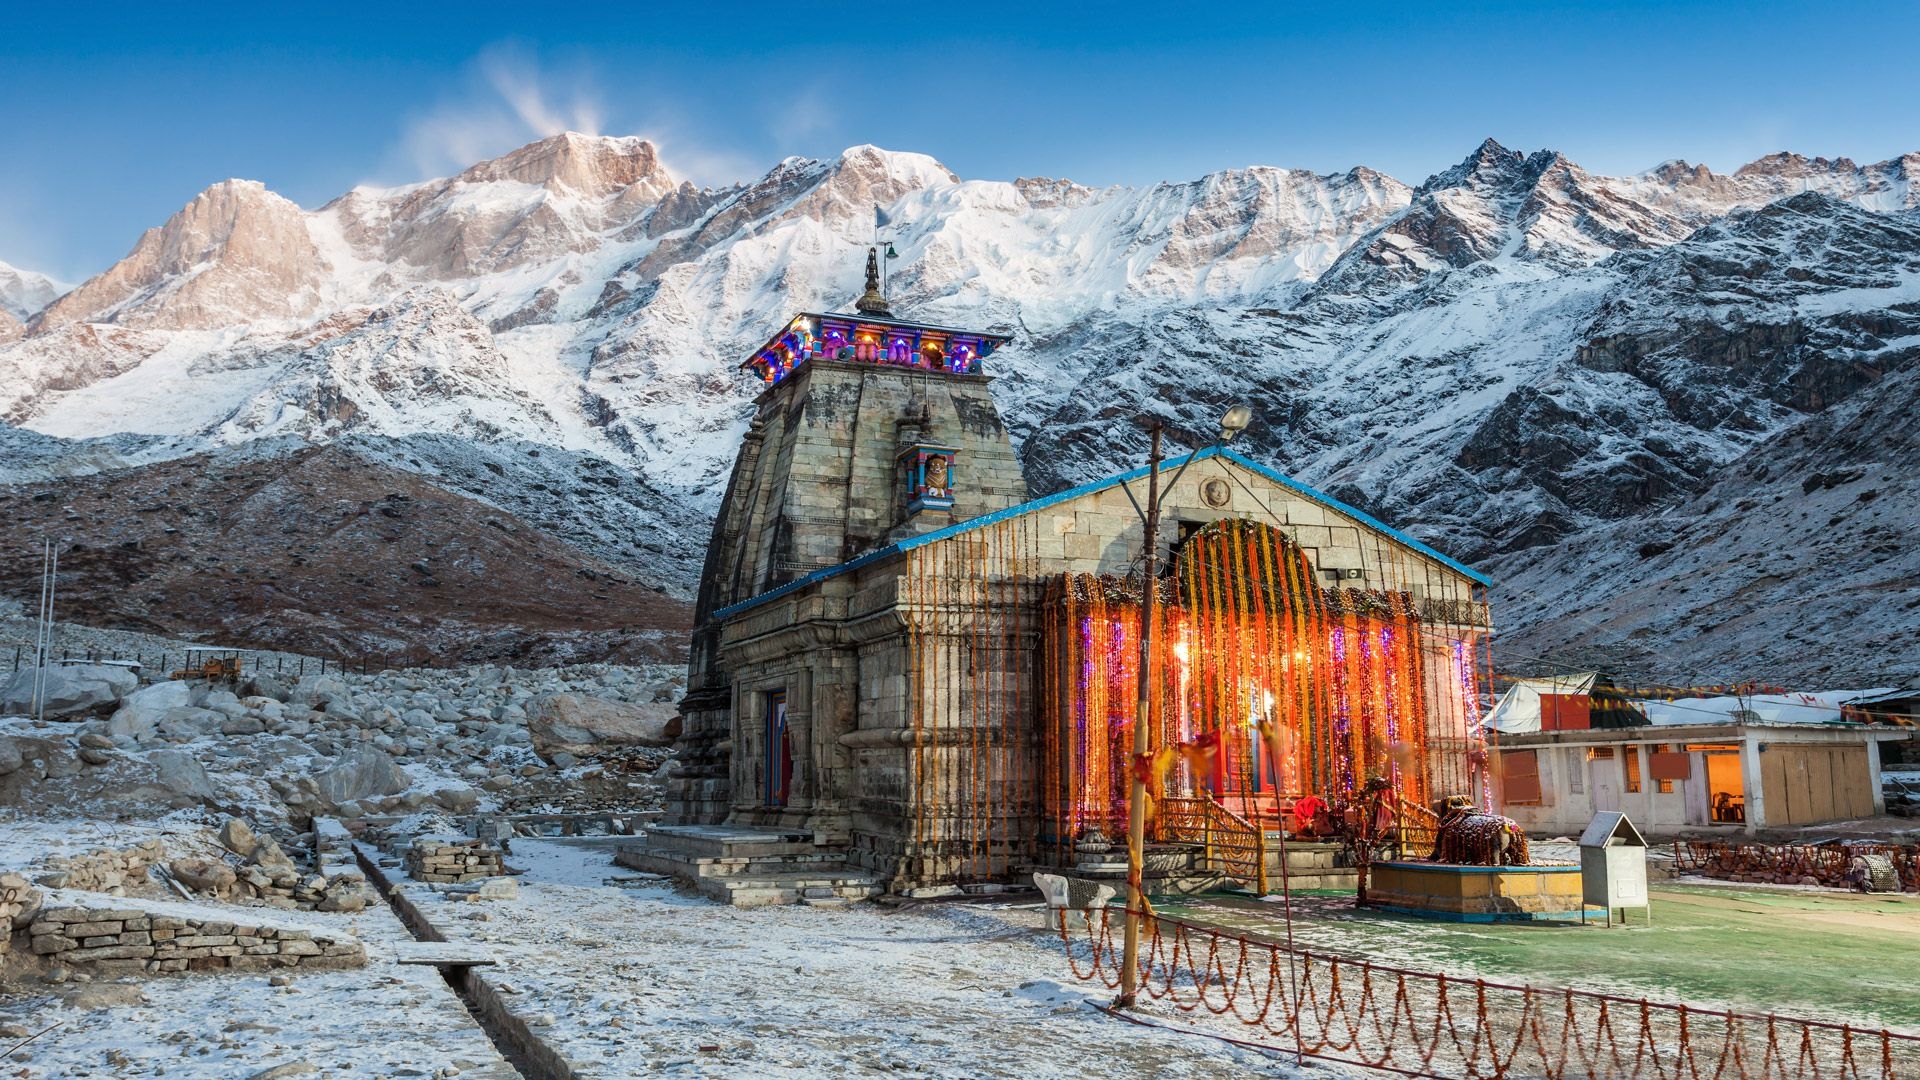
[1235,422]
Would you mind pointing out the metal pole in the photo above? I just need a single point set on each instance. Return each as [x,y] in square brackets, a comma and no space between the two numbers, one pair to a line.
[1142,720]
[40,628]
[50,569]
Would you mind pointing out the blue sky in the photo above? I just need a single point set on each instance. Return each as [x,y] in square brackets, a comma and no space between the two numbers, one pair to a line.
[115,117]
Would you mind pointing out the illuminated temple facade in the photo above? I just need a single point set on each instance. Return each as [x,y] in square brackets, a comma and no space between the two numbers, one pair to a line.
[905,666]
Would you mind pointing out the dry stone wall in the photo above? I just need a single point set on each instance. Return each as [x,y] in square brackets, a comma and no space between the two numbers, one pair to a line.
[449,863]
[105,870]
[139,940]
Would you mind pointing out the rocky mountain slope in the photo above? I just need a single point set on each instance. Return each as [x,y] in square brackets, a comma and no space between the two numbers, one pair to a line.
[321,551]
[1514,359]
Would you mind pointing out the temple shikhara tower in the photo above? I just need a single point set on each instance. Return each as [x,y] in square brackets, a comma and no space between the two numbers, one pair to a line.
[908,674]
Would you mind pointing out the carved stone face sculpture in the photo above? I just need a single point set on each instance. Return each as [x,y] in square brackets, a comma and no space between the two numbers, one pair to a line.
[937,475]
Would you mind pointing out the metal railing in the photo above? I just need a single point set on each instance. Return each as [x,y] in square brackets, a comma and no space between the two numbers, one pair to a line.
[1230,843]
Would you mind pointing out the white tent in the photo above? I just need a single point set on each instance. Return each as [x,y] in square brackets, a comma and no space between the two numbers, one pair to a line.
[1818,708]
[1518,710]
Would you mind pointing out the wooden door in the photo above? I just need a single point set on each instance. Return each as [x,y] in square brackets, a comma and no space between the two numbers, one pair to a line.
[1603,778]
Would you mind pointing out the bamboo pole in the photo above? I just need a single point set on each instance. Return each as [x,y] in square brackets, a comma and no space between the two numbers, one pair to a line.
[1137,790]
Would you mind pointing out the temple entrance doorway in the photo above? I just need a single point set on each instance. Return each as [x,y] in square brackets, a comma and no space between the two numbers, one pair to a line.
[779,777]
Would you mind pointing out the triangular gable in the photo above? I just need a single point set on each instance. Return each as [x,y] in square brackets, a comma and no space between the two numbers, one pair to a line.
[1611,828]
[1058,497]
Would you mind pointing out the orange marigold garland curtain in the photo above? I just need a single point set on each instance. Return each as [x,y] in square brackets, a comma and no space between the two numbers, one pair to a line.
[1308,690]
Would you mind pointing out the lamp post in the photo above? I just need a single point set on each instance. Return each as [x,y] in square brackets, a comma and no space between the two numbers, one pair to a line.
[1232,424]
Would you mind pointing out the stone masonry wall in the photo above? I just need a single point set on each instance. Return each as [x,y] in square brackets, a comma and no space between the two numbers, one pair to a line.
[445,863]
[137,940]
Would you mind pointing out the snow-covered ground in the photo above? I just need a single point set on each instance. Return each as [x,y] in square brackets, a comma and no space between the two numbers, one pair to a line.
[383,1020]
[626,976]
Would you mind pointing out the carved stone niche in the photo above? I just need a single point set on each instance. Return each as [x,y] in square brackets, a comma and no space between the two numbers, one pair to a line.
[930,470]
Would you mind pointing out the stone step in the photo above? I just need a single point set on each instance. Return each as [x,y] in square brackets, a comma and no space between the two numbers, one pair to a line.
[726,842]
[813,888]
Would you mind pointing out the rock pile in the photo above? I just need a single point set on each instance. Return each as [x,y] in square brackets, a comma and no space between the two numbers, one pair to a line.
[268,875]
[104,870]
[138,940]
[448,863]
[356,746]
[19,902]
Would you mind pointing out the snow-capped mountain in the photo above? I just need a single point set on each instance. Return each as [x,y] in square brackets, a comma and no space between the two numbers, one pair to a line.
[1515,353]
[22,292]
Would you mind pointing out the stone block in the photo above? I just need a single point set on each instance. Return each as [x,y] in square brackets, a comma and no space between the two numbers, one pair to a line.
[121,967]
[111,952]
[47,944]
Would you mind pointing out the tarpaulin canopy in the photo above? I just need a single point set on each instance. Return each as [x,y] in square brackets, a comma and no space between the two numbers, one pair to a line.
[1563,702]
[1518,710]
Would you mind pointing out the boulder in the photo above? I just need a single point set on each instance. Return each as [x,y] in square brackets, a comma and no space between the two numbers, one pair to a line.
[188,723]
[243,725]
[583,726]
[68,691]
[178,772]
[11,756]
[238,837]
[143,709]
[271,858]
[267,686]
[203,875]
[320,691]
[359,774]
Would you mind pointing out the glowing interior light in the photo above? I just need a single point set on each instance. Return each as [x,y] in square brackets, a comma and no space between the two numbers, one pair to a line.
[1180,651]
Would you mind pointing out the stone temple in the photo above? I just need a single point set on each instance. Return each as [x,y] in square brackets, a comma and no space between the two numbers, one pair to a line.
[909,675]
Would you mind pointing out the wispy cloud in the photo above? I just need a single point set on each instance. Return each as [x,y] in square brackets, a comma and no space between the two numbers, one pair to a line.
[508,101]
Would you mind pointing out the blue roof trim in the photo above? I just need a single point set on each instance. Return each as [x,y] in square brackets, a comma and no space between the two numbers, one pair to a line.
[1058,497]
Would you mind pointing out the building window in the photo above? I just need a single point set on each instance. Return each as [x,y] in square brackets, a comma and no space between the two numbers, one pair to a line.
[1600,753]
[1520,773]
[1630,763]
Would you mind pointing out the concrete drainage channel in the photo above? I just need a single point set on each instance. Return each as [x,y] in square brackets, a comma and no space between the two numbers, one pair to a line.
[524,1050]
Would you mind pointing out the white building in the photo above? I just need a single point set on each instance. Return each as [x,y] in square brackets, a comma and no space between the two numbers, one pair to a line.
[1739,764]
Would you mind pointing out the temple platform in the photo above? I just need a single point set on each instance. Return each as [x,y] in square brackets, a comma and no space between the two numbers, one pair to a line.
[1184,870]
[750,867]
[1479,893]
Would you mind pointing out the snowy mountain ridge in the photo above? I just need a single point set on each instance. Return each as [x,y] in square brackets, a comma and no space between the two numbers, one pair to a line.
[1511,354]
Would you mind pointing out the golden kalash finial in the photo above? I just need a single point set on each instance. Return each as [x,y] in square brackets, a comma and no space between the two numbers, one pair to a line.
[871,302]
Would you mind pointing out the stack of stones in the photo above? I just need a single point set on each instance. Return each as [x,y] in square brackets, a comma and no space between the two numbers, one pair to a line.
[269,876]
[135,940]
[106,870]
[19,901]
[450,863]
